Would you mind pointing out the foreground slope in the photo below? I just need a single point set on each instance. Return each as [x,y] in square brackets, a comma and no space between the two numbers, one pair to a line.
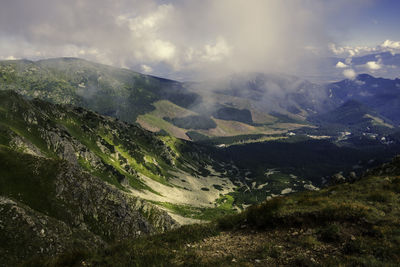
[350,224]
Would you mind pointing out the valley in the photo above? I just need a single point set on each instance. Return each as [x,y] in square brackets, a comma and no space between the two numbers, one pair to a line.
[94,155]
[199,133]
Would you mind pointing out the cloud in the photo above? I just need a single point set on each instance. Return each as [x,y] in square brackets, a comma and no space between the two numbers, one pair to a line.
[217,52]
[373,65]
[341,65]
[147,69]
[390,44]
[208,37]
[349,74]
[351,51]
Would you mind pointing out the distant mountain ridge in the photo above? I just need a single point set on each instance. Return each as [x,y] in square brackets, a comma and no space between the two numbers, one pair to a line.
[241,104]
[355,117]
[121,93]
[382,95]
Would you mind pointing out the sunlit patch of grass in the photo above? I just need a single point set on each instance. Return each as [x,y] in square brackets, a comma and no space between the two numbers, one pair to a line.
[224,206]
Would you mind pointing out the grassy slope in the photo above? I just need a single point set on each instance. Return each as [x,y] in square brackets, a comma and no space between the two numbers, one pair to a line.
[347,224]
[154,121]
[133,144]
[111,91]
[124,151]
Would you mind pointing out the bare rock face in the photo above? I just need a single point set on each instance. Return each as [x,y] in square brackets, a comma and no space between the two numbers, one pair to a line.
[106,210]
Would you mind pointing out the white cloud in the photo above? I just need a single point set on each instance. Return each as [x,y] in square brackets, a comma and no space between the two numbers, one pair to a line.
[341,65]
[351,51]
[216,52]
[349,74]
[159,50]
[373,65]
[146,68]
[390,44]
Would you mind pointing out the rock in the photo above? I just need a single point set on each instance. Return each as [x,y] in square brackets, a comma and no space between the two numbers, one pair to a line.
[286,191]
[337,178]
[310,187]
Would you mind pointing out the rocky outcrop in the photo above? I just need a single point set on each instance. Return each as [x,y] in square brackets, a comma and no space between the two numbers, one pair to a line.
[78,209]
[106,210]
[25,233]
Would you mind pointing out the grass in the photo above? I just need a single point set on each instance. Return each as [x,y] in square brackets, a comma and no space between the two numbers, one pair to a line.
[159,123]
[29,180]
[157,250]
[224,206]
[165,108]
[73,127]
[142,168]
[347,224]
[358,221]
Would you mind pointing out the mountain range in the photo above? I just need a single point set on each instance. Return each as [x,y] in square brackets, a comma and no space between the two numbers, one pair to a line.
[241,104]
[93,155]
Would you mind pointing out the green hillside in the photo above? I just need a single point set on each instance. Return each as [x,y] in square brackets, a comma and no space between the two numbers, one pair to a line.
[355,117]
[351,224]
[110,91]
[71,177]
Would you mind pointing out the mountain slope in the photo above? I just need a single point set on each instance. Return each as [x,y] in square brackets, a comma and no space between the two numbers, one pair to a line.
[355,117]
[49,205]
[70,176]
[382,95]
[350,224]
[110,91]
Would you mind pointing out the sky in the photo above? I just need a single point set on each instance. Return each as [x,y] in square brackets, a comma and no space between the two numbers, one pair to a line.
[199,39]
[377,22]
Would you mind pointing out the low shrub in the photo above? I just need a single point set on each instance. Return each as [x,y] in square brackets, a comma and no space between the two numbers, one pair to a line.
[229,222]
[264,215]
